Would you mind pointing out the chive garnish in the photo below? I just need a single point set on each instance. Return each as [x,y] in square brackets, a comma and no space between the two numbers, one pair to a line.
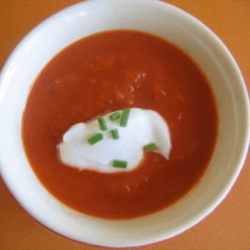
[119,164]
[124,118]
[95,138]
[114,116]
[150,147]
[102,124]
[115,134]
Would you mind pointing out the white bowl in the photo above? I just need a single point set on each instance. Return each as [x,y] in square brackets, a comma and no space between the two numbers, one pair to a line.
[158,18]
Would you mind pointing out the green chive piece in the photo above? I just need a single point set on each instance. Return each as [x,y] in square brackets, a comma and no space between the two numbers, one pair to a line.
[124,118]
[115,134]
[150,147]
[114,116]
[95,138]
[119,164]
[102,124]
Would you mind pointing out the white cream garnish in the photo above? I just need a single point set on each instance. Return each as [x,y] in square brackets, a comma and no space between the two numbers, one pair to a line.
[143,127]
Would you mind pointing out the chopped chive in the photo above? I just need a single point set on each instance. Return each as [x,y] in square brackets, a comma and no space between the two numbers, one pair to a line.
[95,138]
[115,134]
[124,118]
[102,124]
[119,164]
[114,116]
[150,147]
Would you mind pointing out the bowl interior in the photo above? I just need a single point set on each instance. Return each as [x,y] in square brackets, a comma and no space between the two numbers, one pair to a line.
[157,18]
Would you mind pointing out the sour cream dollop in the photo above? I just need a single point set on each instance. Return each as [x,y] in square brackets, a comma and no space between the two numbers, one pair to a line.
[143,127]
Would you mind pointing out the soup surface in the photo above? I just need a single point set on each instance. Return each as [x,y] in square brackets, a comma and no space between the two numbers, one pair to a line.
[107,72]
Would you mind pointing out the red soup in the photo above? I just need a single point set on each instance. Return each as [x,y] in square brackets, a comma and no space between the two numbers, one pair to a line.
[107,72]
